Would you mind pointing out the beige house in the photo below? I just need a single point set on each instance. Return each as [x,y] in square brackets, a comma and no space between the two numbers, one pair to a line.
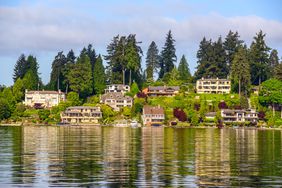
[219,86]
[153,115]
[116,100]
[81,115]
[117,88]
[43,99]
[239,115]
[154,91]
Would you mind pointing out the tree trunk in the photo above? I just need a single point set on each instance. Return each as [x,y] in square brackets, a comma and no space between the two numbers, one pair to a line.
[123,76]
[239,88]
[130,77]
[259,82]
[273,110]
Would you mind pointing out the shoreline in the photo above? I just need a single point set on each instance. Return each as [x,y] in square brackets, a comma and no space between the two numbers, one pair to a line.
[163,126]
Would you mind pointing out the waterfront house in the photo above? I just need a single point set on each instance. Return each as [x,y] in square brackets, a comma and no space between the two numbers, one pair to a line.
[43,99]
[239,115]
[155,91]
[210,116]
[219,86]
[116,100]
[153,115]
[117,88]
[81,115]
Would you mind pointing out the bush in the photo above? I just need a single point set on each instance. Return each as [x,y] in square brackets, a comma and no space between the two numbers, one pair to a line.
[179,114]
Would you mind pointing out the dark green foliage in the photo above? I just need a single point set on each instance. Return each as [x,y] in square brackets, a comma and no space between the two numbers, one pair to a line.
[273,62]
[99,76]
[57,79]
[124,60]
[133,54]
[211,60]
[167,57]
[21,68]
[259,59]
[183,69]
[71,57]
[240,72]
[80,76]
[278,72]
[30,67]
[90,52]
[152,61]
[5,111]
[231,46]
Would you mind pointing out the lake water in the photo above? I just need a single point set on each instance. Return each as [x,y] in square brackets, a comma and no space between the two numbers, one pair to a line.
[153,157]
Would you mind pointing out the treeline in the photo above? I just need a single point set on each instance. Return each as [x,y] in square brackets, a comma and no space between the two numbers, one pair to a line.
[86,75]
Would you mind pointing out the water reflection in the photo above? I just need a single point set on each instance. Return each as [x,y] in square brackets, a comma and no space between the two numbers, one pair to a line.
[154,157]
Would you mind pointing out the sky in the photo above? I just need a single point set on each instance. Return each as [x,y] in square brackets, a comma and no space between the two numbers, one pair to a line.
[44,27]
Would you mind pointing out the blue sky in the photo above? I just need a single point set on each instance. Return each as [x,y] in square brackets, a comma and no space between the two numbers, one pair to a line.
[45,27]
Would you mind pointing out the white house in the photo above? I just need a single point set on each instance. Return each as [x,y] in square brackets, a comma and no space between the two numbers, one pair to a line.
[43,99]
[117,88]
[219,86]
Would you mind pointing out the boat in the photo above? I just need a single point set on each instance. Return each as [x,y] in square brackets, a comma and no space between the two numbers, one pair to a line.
[134,124]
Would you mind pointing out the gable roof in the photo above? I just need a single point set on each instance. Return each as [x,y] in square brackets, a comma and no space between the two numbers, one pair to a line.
[44,92]
[115,95]
[153,110]
[152,88]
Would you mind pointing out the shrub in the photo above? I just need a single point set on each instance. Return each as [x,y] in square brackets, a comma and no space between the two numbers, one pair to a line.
[179,114]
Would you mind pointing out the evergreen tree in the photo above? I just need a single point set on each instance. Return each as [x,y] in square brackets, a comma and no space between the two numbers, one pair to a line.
[183,69]
[168,56]
[133,54]
[80,76]
[21,68]
[71,57]
[231,46]
[218,60]
[33,69]
[273,62]
[90,52]
[152,61]
[205,49]
[57,80]
[99,76]
[18,90]
[240,72]
[211,60]
[278,72]
[29,82]
[115,69]
[259,59]
[124,59]
[69,64]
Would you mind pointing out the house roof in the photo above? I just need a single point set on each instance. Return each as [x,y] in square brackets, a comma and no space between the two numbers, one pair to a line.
[44,92]
[211,114]
[83,107]
[153,110]
[116,96]
[150,88]
[212,79]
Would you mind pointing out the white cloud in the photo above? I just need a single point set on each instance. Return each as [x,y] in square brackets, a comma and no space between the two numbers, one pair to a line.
[43,29]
